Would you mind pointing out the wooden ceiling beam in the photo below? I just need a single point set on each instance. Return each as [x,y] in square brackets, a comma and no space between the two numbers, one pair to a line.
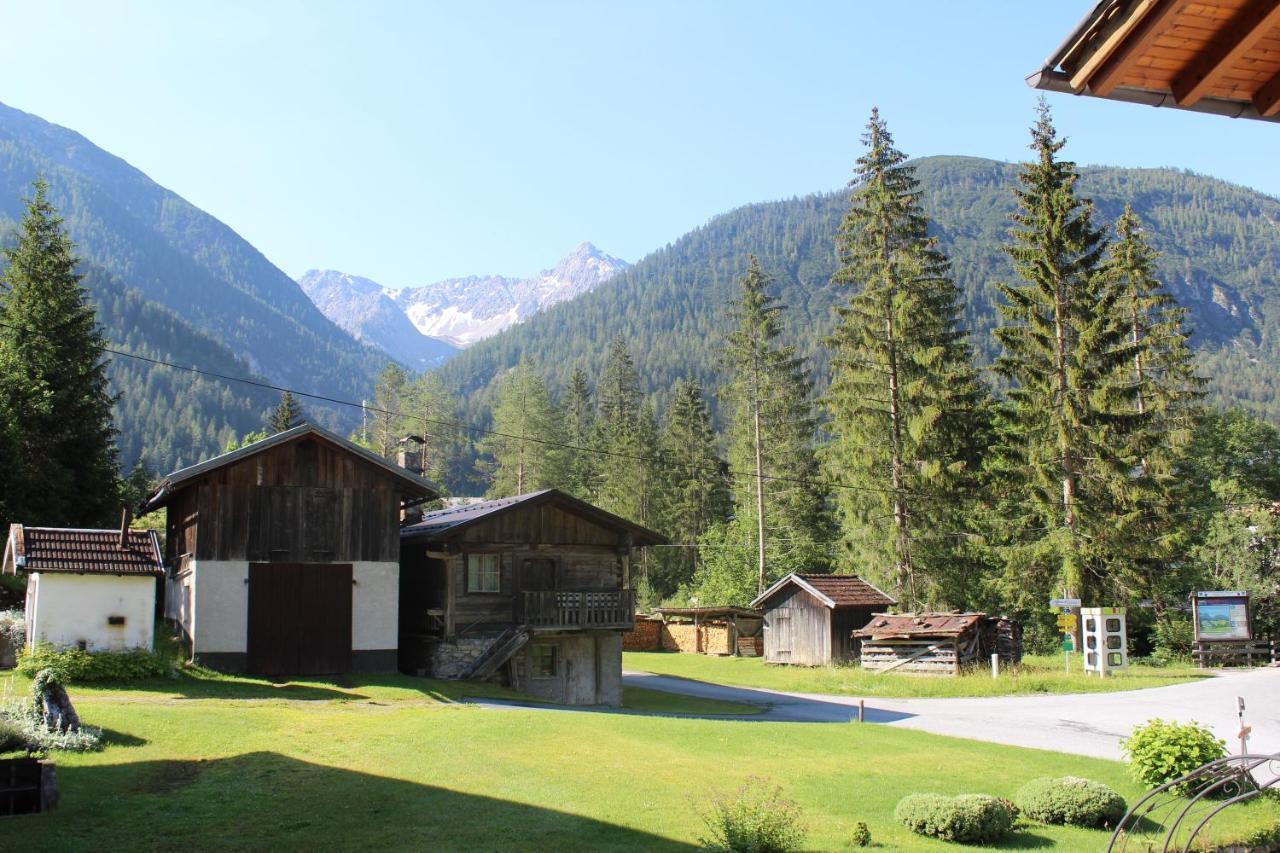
[1103,52]
[1267,99]
[1230,44]
[1156,20]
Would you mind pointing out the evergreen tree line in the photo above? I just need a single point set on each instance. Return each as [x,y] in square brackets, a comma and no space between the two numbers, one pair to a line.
[1083,463]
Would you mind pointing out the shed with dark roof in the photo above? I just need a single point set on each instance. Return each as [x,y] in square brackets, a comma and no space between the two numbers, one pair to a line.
[88,589]
[809,619]
[938,643]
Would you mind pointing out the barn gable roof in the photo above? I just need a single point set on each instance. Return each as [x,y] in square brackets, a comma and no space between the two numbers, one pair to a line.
[832,590]
[413,484]
[445,523]
[80,551]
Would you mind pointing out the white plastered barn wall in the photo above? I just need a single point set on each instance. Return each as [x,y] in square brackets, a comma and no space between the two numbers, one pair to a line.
[220,595]
[70,609]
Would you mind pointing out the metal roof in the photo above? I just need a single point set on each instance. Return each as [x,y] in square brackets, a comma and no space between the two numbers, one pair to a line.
[1211,56]
[443,523]
[832,590]
[415,484]
[886,625]
[81,551]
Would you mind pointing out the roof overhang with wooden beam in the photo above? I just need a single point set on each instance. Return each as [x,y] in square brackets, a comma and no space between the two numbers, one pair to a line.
[1211,56]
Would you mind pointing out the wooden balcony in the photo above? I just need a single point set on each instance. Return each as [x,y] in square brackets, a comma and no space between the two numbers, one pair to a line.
[572,610]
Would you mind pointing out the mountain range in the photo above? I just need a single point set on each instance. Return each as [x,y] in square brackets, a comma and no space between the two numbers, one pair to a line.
[174,284]
[423,326]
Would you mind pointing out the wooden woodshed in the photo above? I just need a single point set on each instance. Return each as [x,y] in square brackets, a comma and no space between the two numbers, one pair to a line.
[939,643]
[809,619]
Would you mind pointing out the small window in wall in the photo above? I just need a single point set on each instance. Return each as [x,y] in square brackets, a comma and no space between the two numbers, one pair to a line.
[115,620]
[542,661]
[484,573]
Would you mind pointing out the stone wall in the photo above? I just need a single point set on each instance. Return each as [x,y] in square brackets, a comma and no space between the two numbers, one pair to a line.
[453,660]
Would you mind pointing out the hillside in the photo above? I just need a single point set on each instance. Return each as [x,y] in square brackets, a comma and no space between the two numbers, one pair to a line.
[1220,255]
[179,263]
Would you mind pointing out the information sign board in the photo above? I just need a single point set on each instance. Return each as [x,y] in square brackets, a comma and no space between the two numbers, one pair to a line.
[1221,616]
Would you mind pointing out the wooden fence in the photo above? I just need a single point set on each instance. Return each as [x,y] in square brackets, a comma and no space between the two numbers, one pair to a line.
[1235,653]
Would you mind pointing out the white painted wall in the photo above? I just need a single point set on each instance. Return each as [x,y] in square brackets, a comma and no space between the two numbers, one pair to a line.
[220,599]
[375,606]
[221,605]
[70,609]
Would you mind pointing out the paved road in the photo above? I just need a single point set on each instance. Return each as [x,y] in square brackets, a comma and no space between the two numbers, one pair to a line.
[1084,724]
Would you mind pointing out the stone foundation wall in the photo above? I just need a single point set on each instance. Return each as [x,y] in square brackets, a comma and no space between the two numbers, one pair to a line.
[452,660]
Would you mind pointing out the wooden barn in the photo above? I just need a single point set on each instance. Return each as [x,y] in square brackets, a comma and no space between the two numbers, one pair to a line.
[534,590]
[810,619]
[938,643]
[283,557]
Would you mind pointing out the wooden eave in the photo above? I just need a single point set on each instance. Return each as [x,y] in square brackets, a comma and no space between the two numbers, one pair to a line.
[1214,56]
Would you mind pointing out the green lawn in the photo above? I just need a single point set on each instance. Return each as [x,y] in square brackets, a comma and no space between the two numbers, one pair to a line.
[1035,675]
[397,763]
[647,701]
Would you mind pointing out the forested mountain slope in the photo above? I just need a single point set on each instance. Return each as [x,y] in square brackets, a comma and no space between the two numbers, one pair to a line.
[1220,255]
[161,250]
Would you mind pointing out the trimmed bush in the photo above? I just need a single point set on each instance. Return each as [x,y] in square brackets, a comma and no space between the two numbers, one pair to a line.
[1160,751]
[756,819]
[969,818]
[77,665]
[1070,800]
[861,835]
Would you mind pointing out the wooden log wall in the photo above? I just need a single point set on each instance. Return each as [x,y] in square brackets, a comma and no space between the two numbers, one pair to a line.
[931,656]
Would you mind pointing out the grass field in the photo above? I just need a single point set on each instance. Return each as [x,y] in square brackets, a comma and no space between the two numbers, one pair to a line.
[396,763]
[1035,675]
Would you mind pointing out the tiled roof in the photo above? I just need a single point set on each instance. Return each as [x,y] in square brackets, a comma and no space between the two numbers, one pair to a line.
[848,590]
[831,590]
[61,549]
[920,624]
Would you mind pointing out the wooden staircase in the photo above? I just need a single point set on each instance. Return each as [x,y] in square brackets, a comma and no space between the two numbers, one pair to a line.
[499,652]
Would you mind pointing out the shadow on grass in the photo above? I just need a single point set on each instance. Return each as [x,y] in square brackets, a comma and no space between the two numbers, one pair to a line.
[201,685]
[1022,839]
[111,737]
[268,801]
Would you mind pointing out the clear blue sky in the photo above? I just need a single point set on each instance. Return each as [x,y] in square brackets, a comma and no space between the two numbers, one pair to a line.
[410,141]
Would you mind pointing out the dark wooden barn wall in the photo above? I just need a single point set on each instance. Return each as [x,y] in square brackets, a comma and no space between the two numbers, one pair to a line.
[844,621]
[306,501]
[541,525]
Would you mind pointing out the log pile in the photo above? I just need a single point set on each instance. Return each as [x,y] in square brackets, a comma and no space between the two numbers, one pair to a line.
[937,643]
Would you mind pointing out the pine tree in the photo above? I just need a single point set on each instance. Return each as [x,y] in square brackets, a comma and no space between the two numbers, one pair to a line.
[285,416]
[627,440]
[1068,420]
[693,493]
[53,382]
[583,464]
[524,448]
[777,486]
[905,402]
[429,417]
[389,423]
[1166,392]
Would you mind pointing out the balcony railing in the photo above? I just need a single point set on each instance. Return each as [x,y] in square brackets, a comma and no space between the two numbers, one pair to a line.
[579,609]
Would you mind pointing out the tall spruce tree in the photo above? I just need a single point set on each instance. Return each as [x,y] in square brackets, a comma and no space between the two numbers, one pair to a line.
[524,448]
[906,405]
[1069,421]
[286,415]
[627,440]
[389,422]
[53,383]
[583,464]
[694,485]
[778,489]
[429,417]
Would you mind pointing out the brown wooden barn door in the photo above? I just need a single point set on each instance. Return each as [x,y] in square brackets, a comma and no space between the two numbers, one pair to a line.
[299,619]
[783,633]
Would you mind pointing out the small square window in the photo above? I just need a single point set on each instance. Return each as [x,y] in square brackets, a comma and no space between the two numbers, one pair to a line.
[542,661]
[1113,626]
[484,573]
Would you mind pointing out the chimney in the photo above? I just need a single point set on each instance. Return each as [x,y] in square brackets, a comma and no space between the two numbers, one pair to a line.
[126,517]
[411,460]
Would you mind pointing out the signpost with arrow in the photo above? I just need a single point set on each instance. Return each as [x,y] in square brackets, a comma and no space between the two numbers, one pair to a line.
[1068,624]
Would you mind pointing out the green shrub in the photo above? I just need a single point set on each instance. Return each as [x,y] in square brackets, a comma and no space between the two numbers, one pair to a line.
[13,628]
[1070,800]
[77,665]
[21,718]
[1172,640]
[861,836]
[1161,751]
[11,737]
[756,819]
[969,819]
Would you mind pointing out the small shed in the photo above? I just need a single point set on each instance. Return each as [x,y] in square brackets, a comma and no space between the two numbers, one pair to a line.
[87,589]
[939,643]
[711,630]
[809,619]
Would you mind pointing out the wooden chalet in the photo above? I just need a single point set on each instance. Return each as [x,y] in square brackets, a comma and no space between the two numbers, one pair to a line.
[283,557]
[809,619]
[534,590]
[1212,56]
